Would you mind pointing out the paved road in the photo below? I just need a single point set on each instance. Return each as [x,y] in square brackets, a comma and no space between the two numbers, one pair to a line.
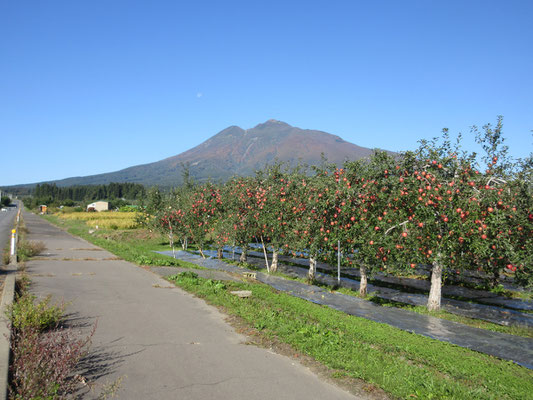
[166,343]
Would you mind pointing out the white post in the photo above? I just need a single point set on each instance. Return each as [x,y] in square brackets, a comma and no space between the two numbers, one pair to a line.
[339,262]
[13,242]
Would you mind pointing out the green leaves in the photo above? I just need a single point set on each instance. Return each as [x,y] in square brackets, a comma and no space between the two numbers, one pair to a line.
[25,313]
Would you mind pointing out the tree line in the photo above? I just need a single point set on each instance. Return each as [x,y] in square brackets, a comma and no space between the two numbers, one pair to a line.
[52,195]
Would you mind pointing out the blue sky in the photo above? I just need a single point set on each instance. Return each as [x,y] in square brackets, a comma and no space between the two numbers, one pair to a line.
[88,87]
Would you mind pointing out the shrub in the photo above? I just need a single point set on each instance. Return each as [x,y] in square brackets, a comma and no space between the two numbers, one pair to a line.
[26,314]
[44,363]
[128,208]
[187,276]
[45,355]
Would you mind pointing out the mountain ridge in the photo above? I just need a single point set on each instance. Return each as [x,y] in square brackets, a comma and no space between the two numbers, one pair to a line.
[234,151]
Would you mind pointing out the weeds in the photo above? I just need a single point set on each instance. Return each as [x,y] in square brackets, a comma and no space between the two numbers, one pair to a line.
[26,315]
[44,362]
[110,390]
[45,355]
[6,258]
[186,275]
[27,249]
[22,283]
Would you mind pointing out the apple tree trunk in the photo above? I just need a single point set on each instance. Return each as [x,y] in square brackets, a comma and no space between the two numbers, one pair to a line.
[274,263]
[436,286]
[244,257]
[312,269]
[364,281]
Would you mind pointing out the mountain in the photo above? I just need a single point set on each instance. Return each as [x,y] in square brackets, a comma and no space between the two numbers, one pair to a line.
[235,151]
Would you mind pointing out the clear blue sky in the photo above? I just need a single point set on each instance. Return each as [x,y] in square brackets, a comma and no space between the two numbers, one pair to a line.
[96,86]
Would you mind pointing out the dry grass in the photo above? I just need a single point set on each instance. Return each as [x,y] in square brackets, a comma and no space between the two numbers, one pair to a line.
[106,220]
[87,216]
[27,249]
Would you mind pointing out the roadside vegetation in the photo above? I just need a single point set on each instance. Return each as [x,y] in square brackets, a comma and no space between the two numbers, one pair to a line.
[45,354]
[25,248]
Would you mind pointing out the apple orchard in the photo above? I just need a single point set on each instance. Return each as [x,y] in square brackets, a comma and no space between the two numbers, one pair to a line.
[437,206]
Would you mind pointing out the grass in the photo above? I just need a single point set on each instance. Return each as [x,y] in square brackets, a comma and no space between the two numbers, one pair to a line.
[6,257]
[134,246]
[403,364]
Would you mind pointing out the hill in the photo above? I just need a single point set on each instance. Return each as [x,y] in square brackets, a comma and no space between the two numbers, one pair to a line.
[235,151]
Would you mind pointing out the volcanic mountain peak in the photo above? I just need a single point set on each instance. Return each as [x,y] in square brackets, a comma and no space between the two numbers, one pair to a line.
[273,123]
[236,151]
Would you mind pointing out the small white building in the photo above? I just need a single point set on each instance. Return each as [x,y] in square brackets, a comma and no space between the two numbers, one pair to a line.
[98,206]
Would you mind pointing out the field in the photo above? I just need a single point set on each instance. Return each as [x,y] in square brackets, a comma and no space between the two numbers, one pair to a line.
[107,220]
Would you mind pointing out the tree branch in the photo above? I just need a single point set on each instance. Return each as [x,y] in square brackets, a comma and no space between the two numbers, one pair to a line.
[396,226]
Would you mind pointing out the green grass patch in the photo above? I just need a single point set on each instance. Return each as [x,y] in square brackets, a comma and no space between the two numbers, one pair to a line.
[137,249]
[404,364]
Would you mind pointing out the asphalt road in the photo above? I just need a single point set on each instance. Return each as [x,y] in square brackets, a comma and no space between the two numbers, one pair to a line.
[163,342]
[7,219]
